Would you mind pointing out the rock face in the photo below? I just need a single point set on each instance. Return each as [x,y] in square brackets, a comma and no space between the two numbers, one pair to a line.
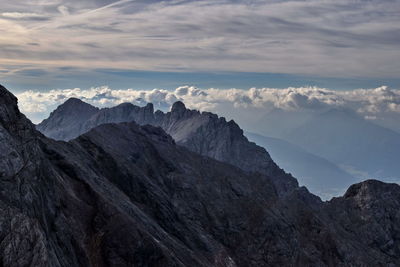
[68,119]
[204,133]
[127,195]
[370,210]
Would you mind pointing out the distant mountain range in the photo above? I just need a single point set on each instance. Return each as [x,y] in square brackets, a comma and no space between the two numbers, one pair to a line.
[358,146]
[122,194]
[319,175]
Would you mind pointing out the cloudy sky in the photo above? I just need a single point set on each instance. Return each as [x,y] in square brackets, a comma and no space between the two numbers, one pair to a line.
[47,44]
[105,47]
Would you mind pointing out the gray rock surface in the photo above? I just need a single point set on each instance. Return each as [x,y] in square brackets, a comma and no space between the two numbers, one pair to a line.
[127,195]
[204,133]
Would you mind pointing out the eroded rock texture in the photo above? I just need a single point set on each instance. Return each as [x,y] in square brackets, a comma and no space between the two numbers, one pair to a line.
[128,195]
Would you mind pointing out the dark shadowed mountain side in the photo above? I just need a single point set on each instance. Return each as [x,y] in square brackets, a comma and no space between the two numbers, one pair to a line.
[204,133]
[127,195]
[319,175]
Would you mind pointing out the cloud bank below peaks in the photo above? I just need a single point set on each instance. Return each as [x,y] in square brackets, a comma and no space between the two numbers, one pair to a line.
[380,104]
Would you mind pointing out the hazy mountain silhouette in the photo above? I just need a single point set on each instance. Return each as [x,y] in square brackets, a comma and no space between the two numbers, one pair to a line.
[319,175]
[358,146]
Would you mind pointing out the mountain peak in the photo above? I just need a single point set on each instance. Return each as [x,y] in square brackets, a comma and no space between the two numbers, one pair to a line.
[178,106]
[75,106]
[10,116]
[8,106]
[72,100]
[3,90]
[235,127]
[7,100]
[370,188]
[149,108]
[69,115]
[76,103]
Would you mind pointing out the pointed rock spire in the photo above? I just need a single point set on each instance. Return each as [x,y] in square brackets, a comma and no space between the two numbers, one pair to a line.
[178,106]
[178,109]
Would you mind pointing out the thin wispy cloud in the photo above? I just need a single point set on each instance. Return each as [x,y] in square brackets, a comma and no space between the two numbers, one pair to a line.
[331,38]
[22,15]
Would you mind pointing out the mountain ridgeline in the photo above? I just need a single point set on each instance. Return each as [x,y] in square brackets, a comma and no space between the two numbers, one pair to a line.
[204,133]
[122,194]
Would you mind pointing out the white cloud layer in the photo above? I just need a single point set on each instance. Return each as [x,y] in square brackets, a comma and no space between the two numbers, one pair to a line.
[380,104]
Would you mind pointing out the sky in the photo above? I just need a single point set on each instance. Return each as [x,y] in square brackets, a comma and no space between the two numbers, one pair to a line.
[338,44]
[147,49]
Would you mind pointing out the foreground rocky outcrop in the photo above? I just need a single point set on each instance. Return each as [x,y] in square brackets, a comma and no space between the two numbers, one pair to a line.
[128,195]
[201,132]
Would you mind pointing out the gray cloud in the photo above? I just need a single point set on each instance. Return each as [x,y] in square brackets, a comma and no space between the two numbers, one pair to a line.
[332,38]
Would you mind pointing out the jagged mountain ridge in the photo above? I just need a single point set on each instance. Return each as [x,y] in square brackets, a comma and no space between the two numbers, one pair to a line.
[127,195]
[202,132]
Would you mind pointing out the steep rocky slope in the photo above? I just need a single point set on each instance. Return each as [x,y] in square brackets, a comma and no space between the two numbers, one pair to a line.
[127,195]
[368,213]
[204,133]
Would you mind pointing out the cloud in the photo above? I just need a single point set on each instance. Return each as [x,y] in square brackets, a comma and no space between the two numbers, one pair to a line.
[333,38]
[64,10]
[23,16]
[377,104]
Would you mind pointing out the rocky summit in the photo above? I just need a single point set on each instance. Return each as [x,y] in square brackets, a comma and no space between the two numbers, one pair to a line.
[122,194]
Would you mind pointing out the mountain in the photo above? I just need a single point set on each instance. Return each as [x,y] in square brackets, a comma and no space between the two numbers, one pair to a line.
[204,133]
[319,175]
[67,119]
[352,142]
[128,195]
[358,146]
